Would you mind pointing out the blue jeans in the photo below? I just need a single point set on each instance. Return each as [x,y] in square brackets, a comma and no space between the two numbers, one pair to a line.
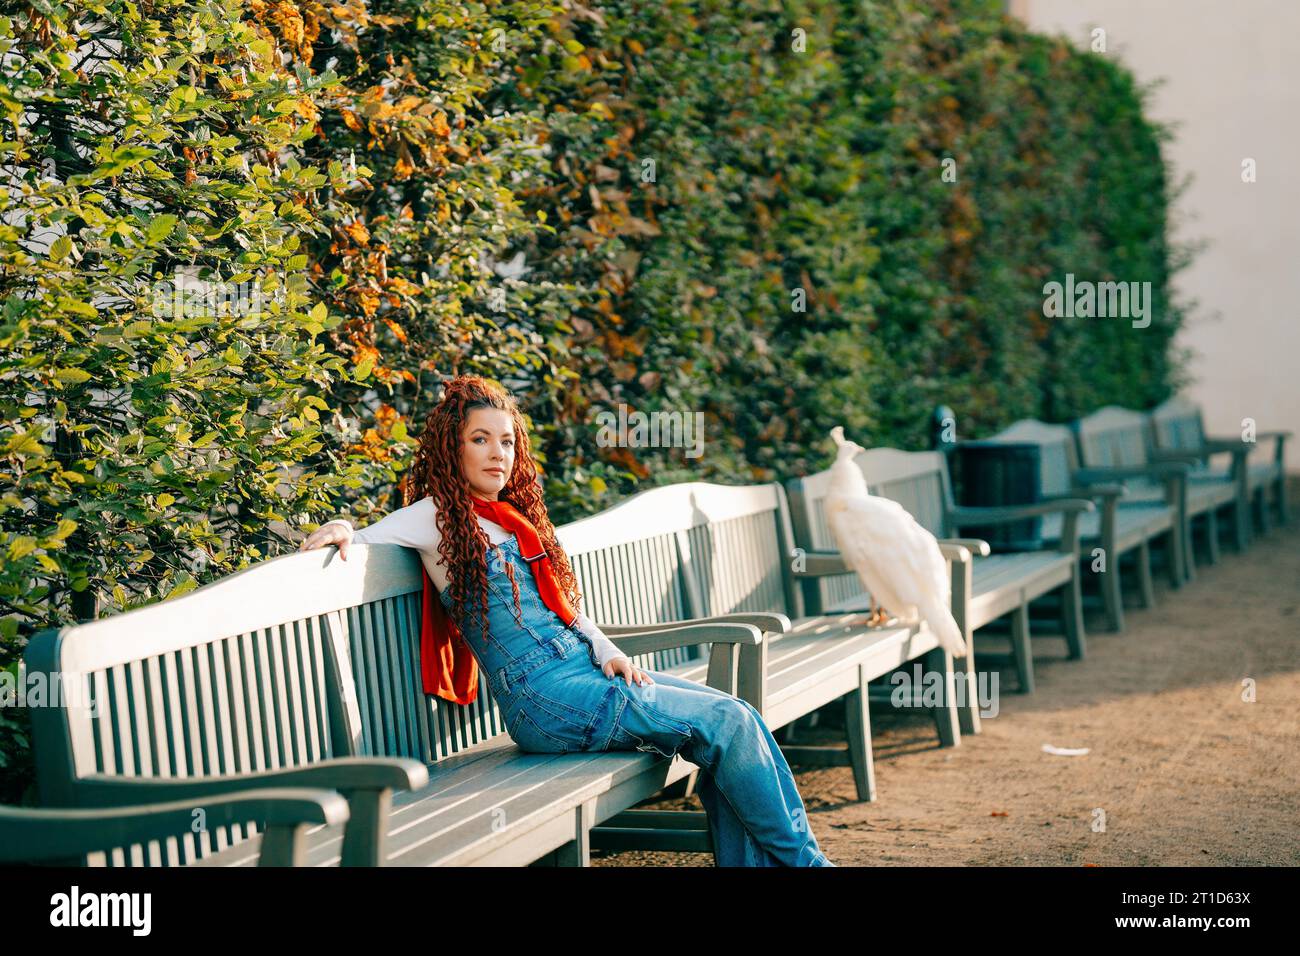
[755,813]
[556,700]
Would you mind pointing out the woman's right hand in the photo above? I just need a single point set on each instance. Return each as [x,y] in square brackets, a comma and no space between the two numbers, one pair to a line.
[335,533]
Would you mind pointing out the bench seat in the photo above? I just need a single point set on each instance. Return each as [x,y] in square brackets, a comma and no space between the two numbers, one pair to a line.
[806,667]
[1000,583]
[1133,525]
[496,805]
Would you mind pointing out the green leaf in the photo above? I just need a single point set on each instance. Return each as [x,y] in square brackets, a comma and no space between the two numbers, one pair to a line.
[161,226]
[61,248]
[185,583]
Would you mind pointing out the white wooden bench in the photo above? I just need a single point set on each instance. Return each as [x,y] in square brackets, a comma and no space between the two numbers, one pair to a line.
[1115,445]
[1120,533]
[303,671]
[985,586]
[1178,430]
[707,552]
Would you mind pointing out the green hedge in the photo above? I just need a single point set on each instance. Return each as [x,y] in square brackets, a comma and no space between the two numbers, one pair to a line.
[369,163]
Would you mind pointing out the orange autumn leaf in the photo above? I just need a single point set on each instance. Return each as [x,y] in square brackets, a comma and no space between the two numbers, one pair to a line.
[403,168]
[397,330]
[369,303]
[358,232]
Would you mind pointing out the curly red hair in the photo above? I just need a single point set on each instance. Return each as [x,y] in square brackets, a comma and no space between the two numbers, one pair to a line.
[436,473]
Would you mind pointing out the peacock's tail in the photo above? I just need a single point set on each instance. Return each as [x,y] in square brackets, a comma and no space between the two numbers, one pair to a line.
[945,628]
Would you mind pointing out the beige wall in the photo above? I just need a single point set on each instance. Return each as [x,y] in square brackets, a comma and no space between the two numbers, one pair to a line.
[1232,83]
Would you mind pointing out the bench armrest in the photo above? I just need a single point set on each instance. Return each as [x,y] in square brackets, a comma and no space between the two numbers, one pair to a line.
[35,834]
[735,661]
[340,773]
[669,637]
[772,623]
[822,563]
[1216,446]
[1100,490]
[1278,437]
[976,546]
[1005,514]
[1155,470]
[819,563]
[1259,436]
[1239,450]
[1192,457]
[1069,508]
[366,782]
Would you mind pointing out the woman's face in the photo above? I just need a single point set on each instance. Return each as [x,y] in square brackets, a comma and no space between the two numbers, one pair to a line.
[487,451]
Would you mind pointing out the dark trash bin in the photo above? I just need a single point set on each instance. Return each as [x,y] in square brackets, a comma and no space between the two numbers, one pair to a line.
[993,474]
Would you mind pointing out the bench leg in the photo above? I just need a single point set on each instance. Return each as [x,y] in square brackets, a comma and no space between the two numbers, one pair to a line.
[1146,587]
[1241,523]
[968,715]
[1072,615]
[283,846]
[1022,649]
[367,828]
[1283,507]
[857,727]
[1189,553]
[1264,521]
[945,715]
[1212,535]
[1112,593]
[1174,554]
[577,852]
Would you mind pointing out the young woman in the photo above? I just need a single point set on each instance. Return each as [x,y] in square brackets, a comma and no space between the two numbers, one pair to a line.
[504,583]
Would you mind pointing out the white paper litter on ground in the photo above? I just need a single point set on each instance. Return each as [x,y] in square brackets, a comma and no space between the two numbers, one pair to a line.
[1064,751]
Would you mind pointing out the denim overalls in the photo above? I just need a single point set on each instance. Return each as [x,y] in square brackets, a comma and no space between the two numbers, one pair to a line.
[556,699]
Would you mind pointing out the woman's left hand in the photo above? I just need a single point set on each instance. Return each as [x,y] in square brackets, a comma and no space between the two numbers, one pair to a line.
[630,672]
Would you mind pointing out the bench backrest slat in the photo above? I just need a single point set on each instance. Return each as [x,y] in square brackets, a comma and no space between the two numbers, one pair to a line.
[678,551]
[1113,437]
[291,661]
[1177,424]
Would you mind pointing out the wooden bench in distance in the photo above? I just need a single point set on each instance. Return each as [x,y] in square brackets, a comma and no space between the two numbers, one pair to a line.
[707,552]
[1115,445]
[1119,532]
[1178,430]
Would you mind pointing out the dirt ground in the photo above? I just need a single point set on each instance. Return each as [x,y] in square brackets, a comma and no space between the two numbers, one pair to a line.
[1185,771]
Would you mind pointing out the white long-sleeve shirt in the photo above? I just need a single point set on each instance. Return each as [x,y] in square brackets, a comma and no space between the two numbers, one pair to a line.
[416,526]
